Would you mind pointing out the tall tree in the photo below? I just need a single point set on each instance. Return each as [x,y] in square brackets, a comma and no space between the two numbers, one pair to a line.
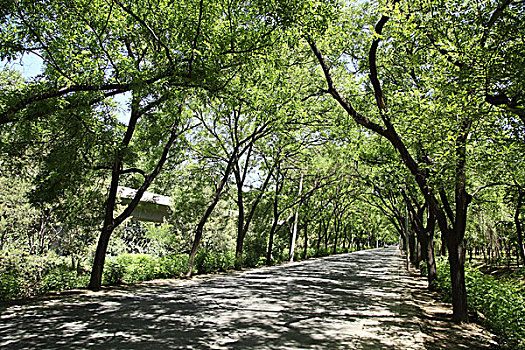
[94,51]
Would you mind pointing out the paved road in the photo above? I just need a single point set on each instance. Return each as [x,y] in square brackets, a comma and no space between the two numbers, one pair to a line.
[351,301]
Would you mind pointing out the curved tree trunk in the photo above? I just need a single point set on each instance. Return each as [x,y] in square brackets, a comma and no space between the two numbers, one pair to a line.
[454,237]
[110,222]
[200,226]
[95,281]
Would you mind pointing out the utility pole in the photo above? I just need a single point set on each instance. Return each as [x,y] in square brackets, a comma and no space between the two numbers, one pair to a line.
[296,220]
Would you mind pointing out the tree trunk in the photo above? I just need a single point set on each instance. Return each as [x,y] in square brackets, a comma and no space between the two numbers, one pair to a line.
[431,263]
[419,256]
[95,281]
[412,248]
[240,223]
[270,242]
[455,238]
[2,239]
[443,250]
[519,232]
[336,235]
[196,241]
[110,223]
[200,226]
[278,188]
[428,243]
[456,258]
[319,238]
[305,240]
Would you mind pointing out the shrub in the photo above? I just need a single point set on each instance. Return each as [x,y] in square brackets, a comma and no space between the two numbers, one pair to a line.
[423,268]
[254,251]
[61,278]
[213,261]
[311,253]
[9,286]
[129,268]
[113,272]
[138,267]
[24,275]
[324,252]
[442,284]
[134,268]
[501,302]
[172,265]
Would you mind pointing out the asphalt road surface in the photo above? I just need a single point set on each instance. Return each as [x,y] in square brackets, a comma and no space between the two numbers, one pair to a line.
[350,301]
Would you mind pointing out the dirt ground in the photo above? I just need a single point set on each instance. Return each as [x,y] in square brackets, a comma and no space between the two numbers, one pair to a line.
[434,319]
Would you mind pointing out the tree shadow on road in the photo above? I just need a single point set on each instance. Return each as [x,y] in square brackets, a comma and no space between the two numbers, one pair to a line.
[351,301]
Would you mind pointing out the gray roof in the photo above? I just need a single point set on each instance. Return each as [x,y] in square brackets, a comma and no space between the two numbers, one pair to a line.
[129,193]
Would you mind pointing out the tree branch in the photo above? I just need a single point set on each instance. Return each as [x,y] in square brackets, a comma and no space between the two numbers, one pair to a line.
[360,119]
[489,185]
[134,171]
[446,206]
[372,56]
[498,13]
[197,34]
[148,178]
[148,28]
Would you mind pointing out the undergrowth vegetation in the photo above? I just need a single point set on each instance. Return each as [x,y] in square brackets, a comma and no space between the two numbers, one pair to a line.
[28,275]
[500,301]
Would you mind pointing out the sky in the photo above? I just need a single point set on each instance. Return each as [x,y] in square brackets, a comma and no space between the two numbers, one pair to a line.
[30,66]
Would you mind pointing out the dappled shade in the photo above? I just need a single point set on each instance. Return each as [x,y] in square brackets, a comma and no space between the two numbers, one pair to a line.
[351,301]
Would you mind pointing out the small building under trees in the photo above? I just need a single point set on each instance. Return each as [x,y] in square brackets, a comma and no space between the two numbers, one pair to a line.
[152,207]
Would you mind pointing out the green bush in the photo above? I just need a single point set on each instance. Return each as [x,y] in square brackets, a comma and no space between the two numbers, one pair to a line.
[501,302]
[340,250]
[24,275]
[324,252]
[283,255]
[442,284]
[423,268]
[113,272]
[63,277]
[213,261]
[310,253]
[172,265]
[134,268]
[138,267]
[254,251]
[9,286]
